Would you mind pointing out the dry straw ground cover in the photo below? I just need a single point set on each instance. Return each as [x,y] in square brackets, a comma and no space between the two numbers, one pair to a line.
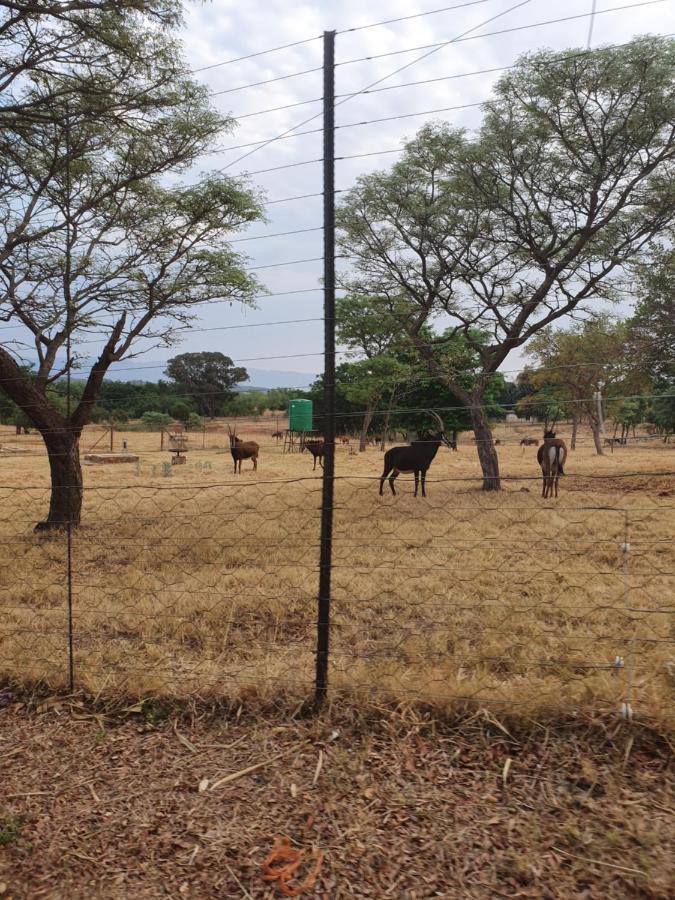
[162,803]
[204,583]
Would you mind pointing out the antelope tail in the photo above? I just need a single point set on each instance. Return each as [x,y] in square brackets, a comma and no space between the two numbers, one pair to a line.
[558,452]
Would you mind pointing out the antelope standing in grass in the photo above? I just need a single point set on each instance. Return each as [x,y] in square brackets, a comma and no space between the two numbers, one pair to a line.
[317,448]
[416,458]
[551,457]
[242,450]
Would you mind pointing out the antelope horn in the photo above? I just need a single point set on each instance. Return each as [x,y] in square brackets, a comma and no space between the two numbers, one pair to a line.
[437,417]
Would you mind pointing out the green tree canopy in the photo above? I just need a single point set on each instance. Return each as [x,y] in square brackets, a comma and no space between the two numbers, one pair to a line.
[651,330]
[92,242]
[661,410]
[505,232]
[207,377]
[576,363]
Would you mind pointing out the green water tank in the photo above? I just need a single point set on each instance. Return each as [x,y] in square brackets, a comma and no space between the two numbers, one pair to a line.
[300,415]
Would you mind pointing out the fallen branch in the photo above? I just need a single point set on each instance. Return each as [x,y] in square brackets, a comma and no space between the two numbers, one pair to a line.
[599,862]
[234,775]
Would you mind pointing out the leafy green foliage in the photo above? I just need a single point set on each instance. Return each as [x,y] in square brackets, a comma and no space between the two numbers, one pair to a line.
[661,410]
[154,421]
[246,403]
[180,410]
[92,238]
[651,330]
[279,398]
[207,377]
[502,234]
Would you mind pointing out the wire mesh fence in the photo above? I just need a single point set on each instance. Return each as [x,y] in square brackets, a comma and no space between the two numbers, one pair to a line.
[206,585]
[198,582]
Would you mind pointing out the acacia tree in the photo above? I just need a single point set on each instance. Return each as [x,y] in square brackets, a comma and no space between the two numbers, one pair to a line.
[661,410]
[93,249]
[568,180]
[578,362]
[369,382]
[106,54]
[369,327]
[651,329]
[207,377]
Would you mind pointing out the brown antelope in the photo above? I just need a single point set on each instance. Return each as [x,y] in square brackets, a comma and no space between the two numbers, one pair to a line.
[242,450]
[317,448]
[551,457]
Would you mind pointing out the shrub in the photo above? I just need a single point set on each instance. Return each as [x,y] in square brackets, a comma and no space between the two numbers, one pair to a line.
[181,411]
[154,421]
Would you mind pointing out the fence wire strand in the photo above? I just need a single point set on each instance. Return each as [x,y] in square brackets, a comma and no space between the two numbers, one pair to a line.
[188,581]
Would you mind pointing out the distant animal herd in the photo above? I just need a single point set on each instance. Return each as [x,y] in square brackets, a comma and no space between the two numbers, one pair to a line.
[417,456]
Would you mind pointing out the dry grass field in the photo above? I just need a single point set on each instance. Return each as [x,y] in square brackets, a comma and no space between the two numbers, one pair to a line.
[189,580]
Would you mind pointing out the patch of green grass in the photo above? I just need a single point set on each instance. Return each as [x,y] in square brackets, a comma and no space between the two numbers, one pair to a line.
[10,826]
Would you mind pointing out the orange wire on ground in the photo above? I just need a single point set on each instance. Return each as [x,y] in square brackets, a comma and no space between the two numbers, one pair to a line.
[282,863]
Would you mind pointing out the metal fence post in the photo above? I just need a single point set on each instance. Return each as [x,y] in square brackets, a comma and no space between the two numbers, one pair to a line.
[326,550]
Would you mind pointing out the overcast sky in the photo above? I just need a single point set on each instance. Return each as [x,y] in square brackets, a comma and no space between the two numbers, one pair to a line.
[218,31]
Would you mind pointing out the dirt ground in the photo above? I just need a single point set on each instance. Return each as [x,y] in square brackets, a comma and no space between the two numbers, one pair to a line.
[99,803]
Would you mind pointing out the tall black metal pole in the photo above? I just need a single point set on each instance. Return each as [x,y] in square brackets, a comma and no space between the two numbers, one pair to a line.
[69,328]
[326,553]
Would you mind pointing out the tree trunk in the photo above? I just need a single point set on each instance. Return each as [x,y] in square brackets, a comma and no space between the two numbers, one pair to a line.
[575,425]
[489,461]
[367,419]
[63,448]
[385,426]
[597,440]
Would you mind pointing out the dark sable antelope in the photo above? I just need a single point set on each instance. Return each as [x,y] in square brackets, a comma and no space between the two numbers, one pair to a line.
[416,458]
[242,450]
[551,457]
[317,448]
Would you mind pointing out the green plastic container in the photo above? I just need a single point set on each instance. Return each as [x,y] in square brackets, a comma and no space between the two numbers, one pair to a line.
[300,415]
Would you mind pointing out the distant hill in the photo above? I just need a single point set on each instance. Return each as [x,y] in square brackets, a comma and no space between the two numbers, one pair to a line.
[259,379]
[265,379]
